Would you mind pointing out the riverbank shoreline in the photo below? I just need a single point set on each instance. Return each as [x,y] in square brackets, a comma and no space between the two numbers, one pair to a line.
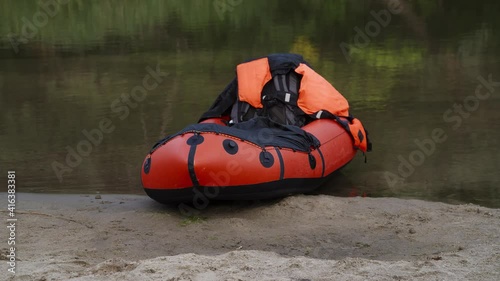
[130,237]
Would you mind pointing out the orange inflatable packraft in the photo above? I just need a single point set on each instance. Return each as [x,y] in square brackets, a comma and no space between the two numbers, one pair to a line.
[278,128]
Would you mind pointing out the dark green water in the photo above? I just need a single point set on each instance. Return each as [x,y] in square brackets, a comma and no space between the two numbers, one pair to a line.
[63,67]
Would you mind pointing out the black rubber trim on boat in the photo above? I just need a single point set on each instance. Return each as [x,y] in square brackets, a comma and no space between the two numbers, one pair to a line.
[266,159]
[282,163]
[312,161]
[193,141]
[147,165]
[230,146]
[322,162]
[262,191]
[268,190]
[192,174]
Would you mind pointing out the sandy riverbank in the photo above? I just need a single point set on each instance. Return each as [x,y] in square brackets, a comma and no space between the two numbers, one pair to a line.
[123,237]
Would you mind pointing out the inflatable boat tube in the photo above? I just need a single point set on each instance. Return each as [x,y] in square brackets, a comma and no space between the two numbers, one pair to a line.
[221,162]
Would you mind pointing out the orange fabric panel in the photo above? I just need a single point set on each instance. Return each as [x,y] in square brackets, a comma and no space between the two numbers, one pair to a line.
[296,164]
[218,121]
[336,143]
[316,94]
[252,76]
[325,130]
[359,134]
[169,168]
[215,167]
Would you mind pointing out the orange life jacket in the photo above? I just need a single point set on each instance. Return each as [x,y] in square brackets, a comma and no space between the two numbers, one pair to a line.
[317,97]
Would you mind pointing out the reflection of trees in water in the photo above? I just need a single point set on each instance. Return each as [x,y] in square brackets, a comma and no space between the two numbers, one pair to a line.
[137,25]
[471,50]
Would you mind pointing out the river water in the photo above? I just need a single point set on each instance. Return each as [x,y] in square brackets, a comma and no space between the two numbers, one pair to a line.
[419,74]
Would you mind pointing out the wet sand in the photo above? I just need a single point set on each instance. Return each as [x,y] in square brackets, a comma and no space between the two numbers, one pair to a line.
[128,237]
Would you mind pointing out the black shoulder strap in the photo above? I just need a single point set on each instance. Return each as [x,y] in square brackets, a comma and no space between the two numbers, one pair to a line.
[279,97]
[285,89]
